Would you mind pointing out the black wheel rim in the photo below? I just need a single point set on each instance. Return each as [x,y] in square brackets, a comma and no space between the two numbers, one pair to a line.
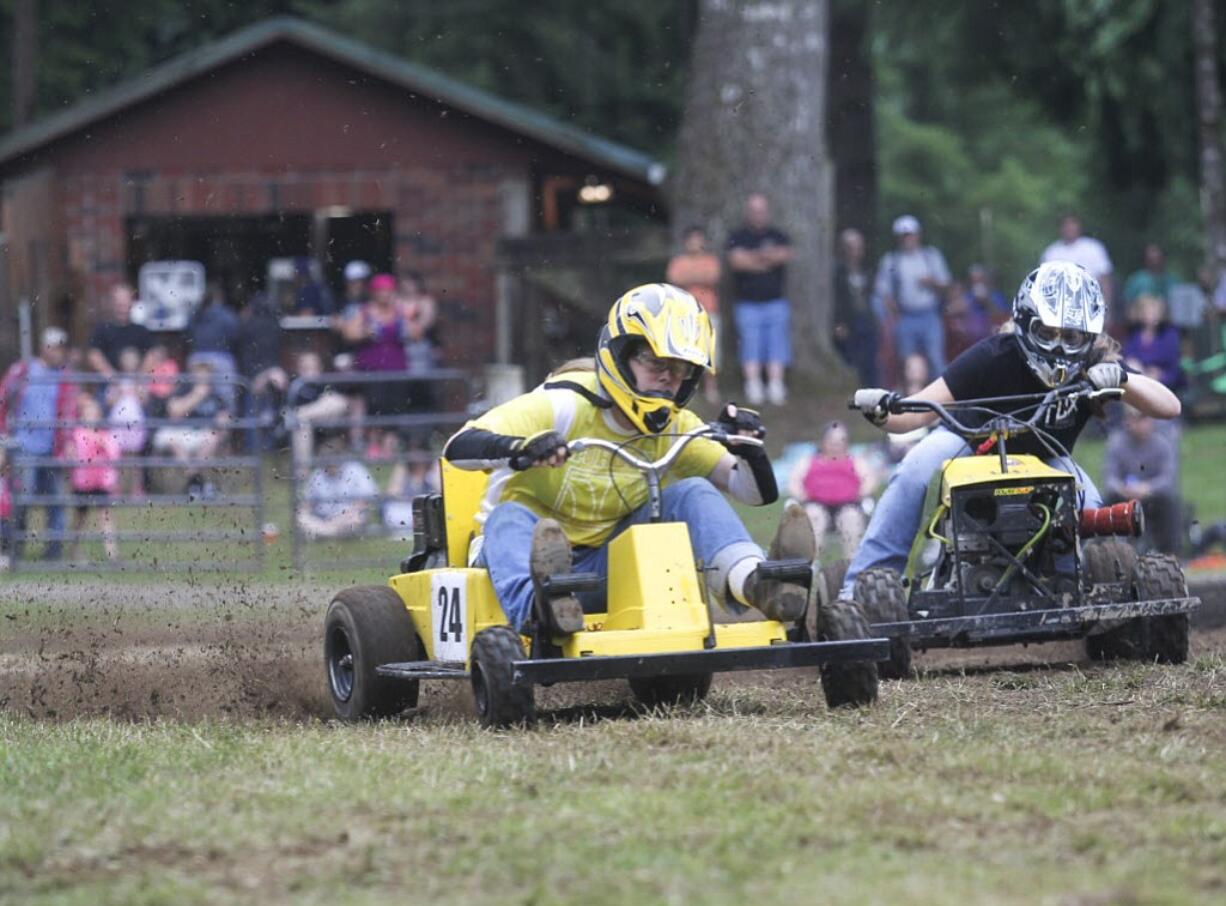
[340,664]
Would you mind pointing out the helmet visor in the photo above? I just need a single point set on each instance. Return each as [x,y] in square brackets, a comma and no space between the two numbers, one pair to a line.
[679,369]
[1064,339]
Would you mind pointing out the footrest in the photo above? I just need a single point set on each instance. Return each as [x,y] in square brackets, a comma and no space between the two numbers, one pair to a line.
[571,583]
[419,670]
[798,571]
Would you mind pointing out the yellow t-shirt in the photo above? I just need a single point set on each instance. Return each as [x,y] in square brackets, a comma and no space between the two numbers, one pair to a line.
[594,490]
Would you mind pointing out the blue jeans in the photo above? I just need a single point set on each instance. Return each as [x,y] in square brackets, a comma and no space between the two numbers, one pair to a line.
[922,332]
[764,331]
[43,481]
[719,538]
[896,519]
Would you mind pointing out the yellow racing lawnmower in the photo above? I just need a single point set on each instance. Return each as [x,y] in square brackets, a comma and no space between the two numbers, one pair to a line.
[1007,555]
[439,619]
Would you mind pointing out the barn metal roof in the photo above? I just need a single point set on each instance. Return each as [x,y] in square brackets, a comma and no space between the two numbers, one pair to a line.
[419,80]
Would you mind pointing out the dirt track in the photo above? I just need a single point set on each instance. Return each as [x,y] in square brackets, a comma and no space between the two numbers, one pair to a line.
[240,651]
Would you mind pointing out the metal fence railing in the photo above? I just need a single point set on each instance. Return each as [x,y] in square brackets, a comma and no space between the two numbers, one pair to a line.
[363,444]
[147,490]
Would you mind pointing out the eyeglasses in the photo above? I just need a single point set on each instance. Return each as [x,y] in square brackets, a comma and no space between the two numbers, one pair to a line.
[1068,339]
[676,368]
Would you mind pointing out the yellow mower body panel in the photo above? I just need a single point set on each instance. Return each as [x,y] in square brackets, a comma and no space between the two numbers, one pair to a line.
[967,471]
[449,607]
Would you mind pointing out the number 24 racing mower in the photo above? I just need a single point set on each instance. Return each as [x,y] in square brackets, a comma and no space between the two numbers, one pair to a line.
[1004,554]
[439,619]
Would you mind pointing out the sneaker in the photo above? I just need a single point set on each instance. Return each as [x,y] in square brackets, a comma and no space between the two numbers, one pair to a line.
[794,540]
[777,393]
[754,393]
[551,556]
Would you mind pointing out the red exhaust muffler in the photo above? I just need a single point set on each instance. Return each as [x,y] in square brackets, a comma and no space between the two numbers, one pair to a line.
[1125,518]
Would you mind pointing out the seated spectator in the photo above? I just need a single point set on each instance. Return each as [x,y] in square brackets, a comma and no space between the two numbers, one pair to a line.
[338,495]
[412,476]
[1152,346]
[126,397]
[831,486]
[94,449]
[203,409]
[1141,463]
[356,295]
[212,337]
[164,374]
[311,403]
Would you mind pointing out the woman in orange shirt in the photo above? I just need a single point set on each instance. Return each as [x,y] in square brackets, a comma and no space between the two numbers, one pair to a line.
[697,271]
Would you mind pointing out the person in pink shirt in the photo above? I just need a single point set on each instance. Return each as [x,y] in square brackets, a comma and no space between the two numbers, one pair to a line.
[94,449]
[831,485]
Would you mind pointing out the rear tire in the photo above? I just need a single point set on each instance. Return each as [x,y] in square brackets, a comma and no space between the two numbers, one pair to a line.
[366,627]
[853,684]
[499,703]
[651,691]
[882,598]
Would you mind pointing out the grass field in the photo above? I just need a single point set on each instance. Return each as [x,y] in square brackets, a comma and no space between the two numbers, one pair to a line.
[169,741]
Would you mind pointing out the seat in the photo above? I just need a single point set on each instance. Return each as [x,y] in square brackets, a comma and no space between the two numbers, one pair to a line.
[462,493]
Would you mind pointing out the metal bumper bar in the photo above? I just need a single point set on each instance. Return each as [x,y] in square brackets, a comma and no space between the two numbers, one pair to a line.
[1028,625]
[718,660]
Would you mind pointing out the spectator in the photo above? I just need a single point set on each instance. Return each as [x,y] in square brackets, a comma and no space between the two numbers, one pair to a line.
[758,255]
[197,403]
[1090,254]
[411,477]
[915,374]
[164,374]
[312,402]
[94,450]
[831,486]
[911,283]
[212,337]
[311,296]
[356,295]
[126,397]
[421,346]
[1153,279]
[32,400]
[380,330]
[113,336]
[855,322]
[338,496]
[259,361]
[697,271]
[1152,346]
[1141,463]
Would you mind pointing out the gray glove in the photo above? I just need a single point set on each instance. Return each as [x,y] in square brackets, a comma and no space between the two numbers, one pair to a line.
[1106,375]
[874,403]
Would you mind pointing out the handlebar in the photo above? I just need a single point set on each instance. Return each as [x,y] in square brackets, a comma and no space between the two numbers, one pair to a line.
[623,450]
[1001,421]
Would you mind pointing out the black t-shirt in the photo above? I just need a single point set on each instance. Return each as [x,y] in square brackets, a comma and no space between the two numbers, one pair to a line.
[996,366]
[758,287]
[111,339]
[208,408]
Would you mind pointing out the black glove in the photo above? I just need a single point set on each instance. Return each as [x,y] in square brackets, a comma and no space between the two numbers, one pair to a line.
[738,420]
[531,451]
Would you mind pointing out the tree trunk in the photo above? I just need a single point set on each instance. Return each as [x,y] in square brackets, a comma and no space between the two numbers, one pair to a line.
[851,129]
[755,121]
[1209,115]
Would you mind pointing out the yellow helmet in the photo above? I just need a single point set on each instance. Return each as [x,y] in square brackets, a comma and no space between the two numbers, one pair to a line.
[673,326]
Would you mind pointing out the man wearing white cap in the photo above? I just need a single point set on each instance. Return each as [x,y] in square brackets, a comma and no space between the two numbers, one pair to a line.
[911,284]
[356,295]
[32,399]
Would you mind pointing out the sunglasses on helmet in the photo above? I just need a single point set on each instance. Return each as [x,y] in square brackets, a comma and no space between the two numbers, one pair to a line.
[1068,339]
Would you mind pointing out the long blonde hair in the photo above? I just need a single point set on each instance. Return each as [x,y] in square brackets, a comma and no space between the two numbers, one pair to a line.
[583,363]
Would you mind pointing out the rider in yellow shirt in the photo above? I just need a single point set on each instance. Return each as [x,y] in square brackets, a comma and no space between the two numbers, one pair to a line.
[547,512]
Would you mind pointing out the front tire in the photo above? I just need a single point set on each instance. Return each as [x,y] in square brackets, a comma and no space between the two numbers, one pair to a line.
[1158,576]
[366,627]
[853,684]
[883,599]
[499,703]
[651,691]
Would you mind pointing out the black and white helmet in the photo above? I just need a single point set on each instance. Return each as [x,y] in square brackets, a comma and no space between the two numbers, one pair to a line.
[1059,311]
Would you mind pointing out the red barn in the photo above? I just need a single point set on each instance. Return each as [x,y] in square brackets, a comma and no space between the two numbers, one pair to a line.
[288,140]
